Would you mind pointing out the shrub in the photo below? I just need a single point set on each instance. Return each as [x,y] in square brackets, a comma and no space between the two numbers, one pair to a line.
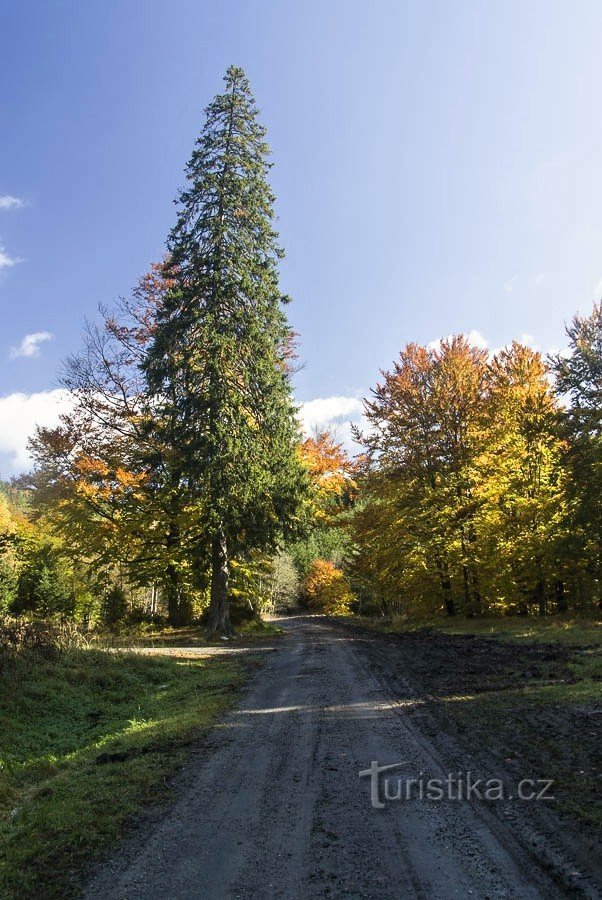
[326,589]
[48,639]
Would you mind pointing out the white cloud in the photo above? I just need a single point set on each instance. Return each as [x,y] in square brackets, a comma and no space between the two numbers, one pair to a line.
[528,340]
[539,279]
[5,260]
[19,415]
[511,284]
[335,414]
[8,202]
[564,352]
[30,345]
[319,413]
[474,338]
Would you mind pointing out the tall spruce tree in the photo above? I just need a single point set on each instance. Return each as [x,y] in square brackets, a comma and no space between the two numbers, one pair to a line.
[221,345]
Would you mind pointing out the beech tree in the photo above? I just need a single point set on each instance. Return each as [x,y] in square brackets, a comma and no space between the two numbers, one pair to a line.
[524,492]
[332,486]
[217,367]
[465,496]
[427,441]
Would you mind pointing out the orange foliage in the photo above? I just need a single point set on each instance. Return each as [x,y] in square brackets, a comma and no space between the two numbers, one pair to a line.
[91,468]
[331,473]
[327,589]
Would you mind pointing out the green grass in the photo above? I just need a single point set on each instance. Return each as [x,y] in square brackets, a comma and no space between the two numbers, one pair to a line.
[566,630]
[259,628]
[187,636]
[87,740]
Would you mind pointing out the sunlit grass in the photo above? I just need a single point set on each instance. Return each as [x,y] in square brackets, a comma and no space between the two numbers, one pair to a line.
[566,630]
[87,740]
[187,636]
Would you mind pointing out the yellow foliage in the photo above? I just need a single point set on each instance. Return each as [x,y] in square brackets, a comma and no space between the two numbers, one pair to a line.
[331,475]
[327,589]
[90,467]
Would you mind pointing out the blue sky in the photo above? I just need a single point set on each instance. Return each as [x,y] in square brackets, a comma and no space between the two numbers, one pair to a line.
[437,169]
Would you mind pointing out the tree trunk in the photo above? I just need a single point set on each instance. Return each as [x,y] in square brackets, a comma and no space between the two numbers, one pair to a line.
[476,594]
[219,606]
[466,583]
[561,601]
[450,607]
[173,601]
[179,611]
[446,591]
[539,596]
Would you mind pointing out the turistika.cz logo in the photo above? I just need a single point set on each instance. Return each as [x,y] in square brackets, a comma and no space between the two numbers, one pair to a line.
[452,786]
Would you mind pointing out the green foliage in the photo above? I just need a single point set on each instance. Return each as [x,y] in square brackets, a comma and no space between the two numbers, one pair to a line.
[181,448]
[217,366]
[579,380]
[249,587]
[45,582]
[329,542]
[114,607]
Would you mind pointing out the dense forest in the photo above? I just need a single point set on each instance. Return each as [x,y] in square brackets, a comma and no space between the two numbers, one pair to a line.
[179,485]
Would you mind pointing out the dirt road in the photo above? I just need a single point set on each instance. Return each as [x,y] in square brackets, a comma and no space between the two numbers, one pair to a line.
[272,805]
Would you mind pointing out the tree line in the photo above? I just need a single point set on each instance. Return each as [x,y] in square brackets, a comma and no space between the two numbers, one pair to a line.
[179,484]
[481,491]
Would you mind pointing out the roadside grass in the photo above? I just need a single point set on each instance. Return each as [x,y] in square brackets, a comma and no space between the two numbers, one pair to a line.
[553,629]
[186,636]
[88,739]
[259,628]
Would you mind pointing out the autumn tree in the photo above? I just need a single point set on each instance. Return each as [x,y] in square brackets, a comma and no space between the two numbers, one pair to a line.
[36,577]
[217,366]
[9,558]
[579,384]
[103,478]
[326,589]
[524,494]
[464,497]
[332,485]
[426,442]
[332,491]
